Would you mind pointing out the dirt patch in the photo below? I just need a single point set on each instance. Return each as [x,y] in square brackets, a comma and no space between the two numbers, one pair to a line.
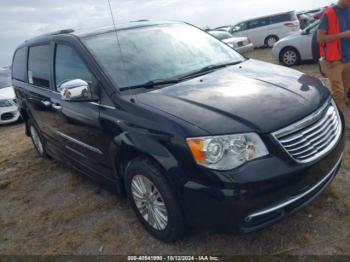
[47,208]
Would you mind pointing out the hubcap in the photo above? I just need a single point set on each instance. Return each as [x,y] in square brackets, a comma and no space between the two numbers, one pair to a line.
[271,41]
[36,140]
[149,202]
[289,57]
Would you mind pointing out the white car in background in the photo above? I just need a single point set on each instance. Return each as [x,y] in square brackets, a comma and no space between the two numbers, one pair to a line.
[296,48]
[240,44]
[8,107]
[267,30]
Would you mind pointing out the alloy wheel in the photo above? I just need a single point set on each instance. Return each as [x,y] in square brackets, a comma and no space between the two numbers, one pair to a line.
[290,57]
[271,41]
[149,202]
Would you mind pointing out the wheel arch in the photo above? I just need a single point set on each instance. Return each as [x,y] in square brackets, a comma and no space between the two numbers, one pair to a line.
[126,148]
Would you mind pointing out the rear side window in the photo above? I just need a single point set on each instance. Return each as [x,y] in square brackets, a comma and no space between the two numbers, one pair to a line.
[39,66]
[19,65]
[69,66]
[253,24]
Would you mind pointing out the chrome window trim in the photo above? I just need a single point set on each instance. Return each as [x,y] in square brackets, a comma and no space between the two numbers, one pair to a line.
[82,144]
[104,106]
[295,198]
[313,118]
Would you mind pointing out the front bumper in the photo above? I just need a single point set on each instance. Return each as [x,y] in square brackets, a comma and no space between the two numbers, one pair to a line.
[276,50]
[259,194]
[9,114]
[245,49]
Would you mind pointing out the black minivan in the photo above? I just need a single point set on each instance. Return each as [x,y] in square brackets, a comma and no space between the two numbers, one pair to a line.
[193,133]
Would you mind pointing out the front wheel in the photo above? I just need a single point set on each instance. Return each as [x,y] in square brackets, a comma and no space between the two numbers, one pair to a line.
[289,57]
[153,201]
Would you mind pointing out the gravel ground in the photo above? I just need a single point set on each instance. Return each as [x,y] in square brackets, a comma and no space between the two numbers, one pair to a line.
[47,208]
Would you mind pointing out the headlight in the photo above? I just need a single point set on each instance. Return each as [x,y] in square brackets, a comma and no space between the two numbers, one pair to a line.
[226,152]
[5,103]
[276,44]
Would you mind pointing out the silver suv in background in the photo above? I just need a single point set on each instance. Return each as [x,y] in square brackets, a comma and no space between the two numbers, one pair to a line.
[267,30]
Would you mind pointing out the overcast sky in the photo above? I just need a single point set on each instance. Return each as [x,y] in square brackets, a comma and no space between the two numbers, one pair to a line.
[22,19]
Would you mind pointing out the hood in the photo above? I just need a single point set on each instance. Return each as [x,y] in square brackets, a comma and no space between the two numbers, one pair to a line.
[292,36]
[7,93]
[250,97]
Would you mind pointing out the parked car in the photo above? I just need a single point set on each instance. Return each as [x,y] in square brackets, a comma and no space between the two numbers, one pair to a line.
[305,20]
[296,48]
[317,13]
[8,107]
[194,133]
[240,44]
[267,30]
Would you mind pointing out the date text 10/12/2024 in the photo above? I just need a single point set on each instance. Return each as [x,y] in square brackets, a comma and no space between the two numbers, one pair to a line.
[173,258]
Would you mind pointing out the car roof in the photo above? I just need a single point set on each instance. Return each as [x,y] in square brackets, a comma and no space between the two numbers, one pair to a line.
[260,17]
[95,31]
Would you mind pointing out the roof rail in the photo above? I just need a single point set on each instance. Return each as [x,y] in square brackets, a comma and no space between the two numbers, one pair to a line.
[59,32]
[64,31]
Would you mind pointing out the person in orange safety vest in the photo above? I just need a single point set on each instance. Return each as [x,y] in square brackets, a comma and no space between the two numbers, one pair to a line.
[334,38]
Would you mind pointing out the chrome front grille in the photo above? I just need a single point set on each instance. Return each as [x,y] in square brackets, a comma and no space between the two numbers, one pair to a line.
[312,137]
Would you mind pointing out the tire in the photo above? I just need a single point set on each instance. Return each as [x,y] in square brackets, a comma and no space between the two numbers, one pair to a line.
[170,225]
[289,56]
[37,139]
[271,40]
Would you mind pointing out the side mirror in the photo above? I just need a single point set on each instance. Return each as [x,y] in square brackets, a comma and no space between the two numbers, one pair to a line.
[75,90]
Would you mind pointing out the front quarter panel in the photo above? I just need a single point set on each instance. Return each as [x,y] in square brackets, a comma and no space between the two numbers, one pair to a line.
[149,133]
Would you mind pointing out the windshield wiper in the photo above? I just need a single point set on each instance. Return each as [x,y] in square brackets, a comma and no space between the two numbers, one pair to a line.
[152,84]
[208,69]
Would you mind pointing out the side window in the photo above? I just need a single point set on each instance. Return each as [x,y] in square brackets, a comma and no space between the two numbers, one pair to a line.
[253,24]
[264,22]
[69,66]
[240,27]
[19,65]
[282,18]
[39,66]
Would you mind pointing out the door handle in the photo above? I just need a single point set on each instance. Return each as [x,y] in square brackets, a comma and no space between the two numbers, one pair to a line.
[46,103]
[57,106]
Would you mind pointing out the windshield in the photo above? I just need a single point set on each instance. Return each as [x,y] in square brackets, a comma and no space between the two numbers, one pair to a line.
[221,35]
[157,52]
[312,28]
[5,78]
